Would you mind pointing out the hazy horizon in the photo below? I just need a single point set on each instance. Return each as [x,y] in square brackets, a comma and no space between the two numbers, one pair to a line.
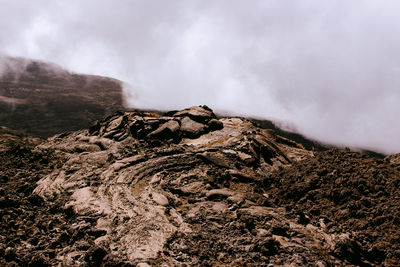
[331,69]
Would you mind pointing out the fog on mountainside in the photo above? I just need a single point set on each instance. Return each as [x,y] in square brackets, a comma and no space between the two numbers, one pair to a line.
[330,69]
[44,99]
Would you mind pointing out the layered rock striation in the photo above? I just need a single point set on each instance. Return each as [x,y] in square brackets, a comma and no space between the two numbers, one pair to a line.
[180,188]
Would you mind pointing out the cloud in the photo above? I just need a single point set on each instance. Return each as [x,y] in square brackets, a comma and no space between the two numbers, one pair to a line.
[331,68]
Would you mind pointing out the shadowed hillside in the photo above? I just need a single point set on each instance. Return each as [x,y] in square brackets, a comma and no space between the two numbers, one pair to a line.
[44,99]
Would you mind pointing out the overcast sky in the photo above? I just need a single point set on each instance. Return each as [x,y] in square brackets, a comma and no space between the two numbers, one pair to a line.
[331,69]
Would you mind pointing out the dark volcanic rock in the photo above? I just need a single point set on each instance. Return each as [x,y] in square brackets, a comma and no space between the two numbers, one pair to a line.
[201,114]
[347,191]
[168,130]
[192,129]
[152,126]
[138,190]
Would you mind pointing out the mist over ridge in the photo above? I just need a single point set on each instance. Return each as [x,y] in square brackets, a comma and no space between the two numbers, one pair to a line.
[329,68]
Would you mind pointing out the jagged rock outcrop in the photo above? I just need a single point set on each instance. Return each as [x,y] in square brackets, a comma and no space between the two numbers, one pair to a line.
[147,174]
[188,123]
[180,188]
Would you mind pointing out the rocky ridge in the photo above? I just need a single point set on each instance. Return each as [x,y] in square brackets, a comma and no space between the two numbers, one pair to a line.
[184,188]
[44,99]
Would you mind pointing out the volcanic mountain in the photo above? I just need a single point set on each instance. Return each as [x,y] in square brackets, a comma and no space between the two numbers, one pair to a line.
[44,99]
[177,188]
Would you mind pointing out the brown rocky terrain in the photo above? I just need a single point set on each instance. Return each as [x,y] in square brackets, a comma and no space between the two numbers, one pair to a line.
[43,99]
[185,188]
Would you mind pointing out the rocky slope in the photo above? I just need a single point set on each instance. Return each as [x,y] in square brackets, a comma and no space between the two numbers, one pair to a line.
[186,188]
[44,99]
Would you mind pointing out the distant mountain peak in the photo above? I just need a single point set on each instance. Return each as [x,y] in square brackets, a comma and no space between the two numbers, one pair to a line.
[44,99]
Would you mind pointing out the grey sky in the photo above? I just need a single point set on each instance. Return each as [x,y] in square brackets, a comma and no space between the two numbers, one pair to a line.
[331,69]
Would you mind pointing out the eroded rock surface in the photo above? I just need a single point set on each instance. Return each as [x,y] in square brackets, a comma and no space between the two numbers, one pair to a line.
[183,188]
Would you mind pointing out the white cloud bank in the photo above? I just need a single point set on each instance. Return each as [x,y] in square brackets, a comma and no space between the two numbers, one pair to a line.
[331,68]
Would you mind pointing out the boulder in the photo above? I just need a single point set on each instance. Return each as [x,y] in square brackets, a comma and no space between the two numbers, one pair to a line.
[94,127]
[168,130]
[215,124]
[191,128]
[115,124]
[198,113]
[160,199]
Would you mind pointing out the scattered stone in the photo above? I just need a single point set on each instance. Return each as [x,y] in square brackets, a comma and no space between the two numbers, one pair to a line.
[200,114]
[237,199]
[160,199]
[94,256]
[218,158]
[215,125]
[243,177]
[192,129]
[115,124]
[94,127]
[280,228]
[96,232]
[192,188]
[155,179]
[268,247]
[143,264]
[348,249]
[228,197]
[166,131]
[218,193]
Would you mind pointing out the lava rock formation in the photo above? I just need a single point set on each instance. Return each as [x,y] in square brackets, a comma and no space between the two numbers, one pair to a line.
[187,188]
